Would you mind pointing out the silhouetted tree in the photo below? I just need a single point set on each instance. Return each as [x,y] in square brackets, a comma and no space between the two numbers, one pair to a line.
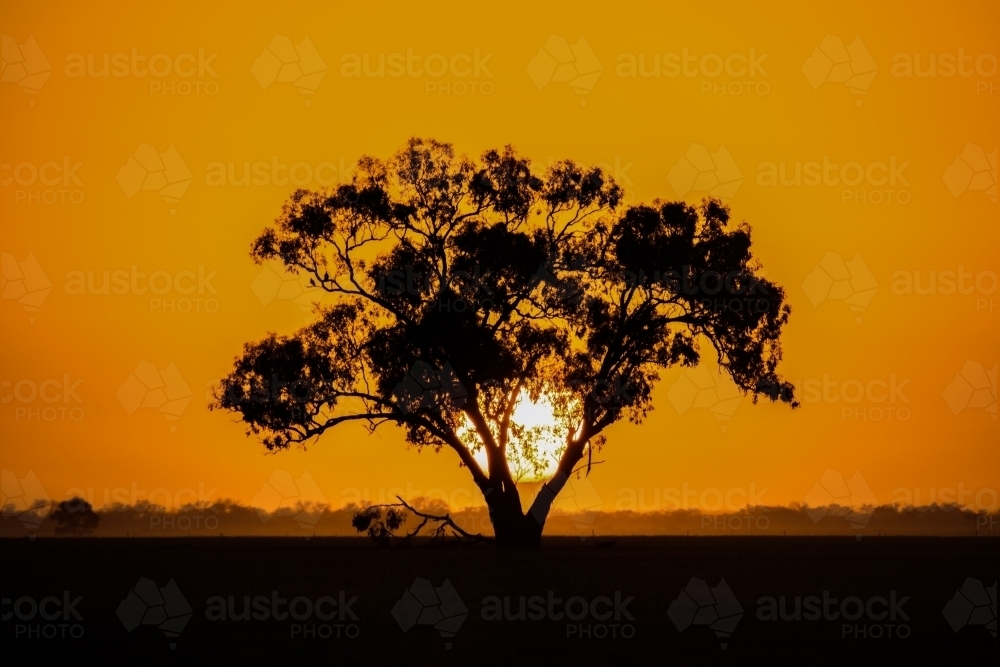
[380,529]
[459,286]
[75,517]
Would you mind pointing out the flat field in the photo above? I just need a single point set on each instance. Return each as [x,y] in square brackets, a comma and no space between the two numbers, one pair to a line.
[586,602]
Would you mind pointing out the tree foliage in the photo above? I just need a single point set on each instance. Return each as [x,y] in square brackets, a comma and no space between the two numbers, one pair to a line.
[75,517]
[458,286]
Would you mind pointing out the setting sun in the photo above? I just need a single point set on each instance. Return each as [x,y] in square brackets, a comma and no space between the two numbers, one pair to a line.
[538,419]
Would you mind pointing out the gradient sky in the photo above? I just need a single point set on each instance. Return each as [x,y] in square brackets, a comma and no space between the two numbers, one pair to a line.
[829,86]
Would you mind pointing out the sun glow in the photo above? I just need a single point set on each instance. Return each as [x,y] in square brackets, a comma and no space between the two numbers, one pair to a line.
[536,417]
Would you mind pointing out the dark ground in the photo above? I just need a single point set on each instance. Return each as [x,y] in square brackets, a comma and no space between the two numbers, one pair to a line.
[652,570]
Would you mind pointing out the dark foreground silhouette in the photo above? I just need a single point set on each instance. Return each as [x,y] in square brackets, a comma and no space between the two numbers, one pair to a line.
[640,601]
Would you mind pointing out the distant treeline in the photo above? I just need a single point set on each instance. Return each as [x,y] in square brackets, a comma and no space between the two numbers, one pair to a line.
[230,518]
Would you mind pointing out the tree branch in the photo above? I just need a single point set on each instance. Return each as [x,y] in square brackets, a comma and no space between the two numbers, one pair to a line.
[445,520]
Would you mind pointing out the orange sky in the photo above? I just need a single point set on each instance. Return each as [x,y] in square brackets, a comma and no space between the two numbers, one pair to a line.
[740,94]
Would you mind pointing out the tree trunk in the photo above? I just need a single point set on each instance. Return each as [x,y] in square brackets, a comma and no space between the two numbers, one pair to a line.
[511,526]
[516,529]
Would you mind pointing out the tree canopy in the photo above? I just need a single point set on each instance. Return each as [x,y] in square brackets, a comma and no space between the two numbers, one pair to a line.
[459,286]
